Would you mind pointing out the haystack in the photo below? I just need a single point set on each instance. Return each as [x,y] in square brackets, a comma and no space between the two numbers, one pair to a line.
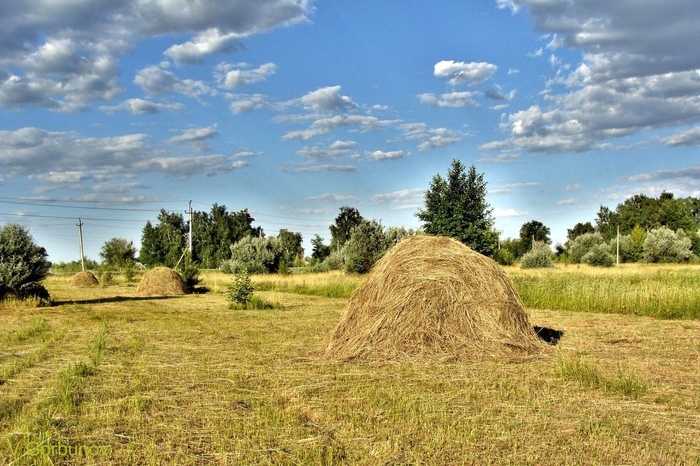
[84,278]
[433,299]
[161,281]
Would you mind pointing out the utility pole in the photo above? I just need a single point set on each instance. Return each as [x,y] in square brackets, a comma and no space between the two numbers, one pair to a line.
[80,230]
[189,244]
[618,245]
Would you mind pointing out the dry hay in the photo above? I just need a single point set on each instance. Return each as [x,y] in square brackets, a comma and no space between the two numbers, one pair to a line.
[161,281]
[84,278]
[433,299]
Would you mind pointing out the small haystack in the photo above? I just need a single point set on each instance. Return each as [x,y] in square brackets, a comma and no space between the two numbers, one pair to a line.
[433,299]
[84,278]
[161,281]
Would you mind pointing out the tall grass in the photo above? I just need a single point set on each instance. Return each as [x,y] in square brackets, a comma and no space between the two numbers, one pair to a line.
[667,293]
[327,285]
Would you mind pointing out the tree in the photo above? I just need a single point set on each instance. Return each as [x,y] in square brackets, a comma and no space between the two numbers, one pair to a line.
[457,207]
[164,243]
[578,230]
[118,252]
[291,245]
[539,256]
[23,264]
[665,245]
[347,219]
[255,254]
[319,250]
[580,246]
[365,247]
[213,233]
[533,231]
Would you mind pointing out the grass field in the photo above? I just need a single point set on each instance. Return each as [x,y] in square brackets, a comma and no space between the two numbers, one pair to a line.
[104,377]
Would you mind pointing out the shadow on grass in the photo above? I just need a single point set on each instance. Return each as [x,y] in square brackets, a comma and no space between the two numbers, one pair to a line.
[548,335]
[112,299]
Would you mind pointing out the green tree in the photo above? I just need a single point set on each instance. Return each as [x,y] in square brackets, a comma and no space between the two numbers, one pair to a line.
[578,230]
[213,233]
[665,245]
[365,247]
[457,207]
[292,248]
[118,253]
[255,254]
[580,246]
[319,250]
[539,256]
[347,219]
[23,264]
[165,243]
[533,231]
[637,237]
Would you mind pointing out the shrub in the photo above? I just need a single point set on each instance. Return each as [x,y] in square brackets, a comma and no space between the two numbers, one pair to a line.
[665,245]
[580,246]
[241,290]
[23,265]
[366,245]
[257,255]
[504,257]
[599,256]
[540,256]
[189,271]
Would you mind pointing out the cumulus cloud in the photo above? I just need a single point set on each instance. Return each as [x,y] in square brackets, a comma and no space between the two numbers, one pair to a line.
[458,73]
[196,136]
[326,125]
[154,80]
[337,149]
[234,76]
[639,72]
[185,166]
[64,55]
[331,197]
[246,103]
[384,155]
[452,99]
[328,98]
[413,196]
[141,106]
[429,138]
[322,168]
[689,138]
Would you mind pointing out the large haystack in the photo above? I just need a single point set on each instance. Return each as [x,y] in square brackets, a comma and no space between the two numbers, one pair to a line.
[161,281]
[84,278]
[434,299]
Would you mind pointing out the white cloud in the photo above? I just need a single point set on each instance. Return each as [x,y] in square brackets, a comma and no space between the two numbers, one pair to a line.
[384,155]
[197,136]
[141,106]
[429,138]
[639,73]
[204,44]
[319,153]
[331,197]
[190,165]
[232,76]
[323,168]
[459,73]
[510,212]
[328,98]
[246,103]
[688,138]
[451,100]
[401,196]
[329,124]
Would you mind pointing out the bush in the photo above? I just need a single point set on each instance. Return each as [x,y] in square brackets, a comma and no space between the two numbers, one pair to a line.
[580,246]
[366,245]
[599,256]
[540,256]
[241,290]
[256,255]
[189,271]
[665,245]
[23,265]
[504,257]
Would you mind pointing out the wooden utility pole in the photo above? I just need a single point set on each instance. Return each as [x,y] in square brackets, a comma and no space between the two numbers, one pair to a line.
[618,245]
[80,231]
[189,243]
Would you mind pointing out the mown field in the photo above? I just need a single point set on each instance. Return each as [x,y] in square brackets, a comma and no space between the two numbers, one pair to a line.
[105,377]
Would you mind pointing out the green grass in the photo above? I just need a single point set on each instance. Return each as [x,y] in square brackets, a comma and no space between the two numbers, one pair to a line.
[666,293]
[189,381]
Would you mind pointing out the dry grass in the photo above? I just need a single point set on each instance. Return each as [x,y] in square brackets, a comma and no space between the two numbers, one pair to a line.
[186,381]
[434,299]
[85,278]
[161,281]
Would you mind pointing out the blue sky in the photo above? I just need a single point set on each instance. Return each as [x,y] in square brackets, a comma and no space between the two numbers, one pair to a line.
[113,109]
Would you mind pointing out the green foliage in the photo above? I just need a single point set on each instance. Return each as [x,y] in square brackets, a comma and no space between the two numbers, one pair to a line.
[74,266]
[457,207]
[319,250]
[117,252]
[365,247]
[578,230]
[540,256]
[504,257]
[291,247]
[512,246]
[580,246]
[213,233]
[599,256]
[257,255]
[533,231]
[241,290]
[665,245]
[164,243]
[637,237]
[189,271]
[347,219]
[23,264]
